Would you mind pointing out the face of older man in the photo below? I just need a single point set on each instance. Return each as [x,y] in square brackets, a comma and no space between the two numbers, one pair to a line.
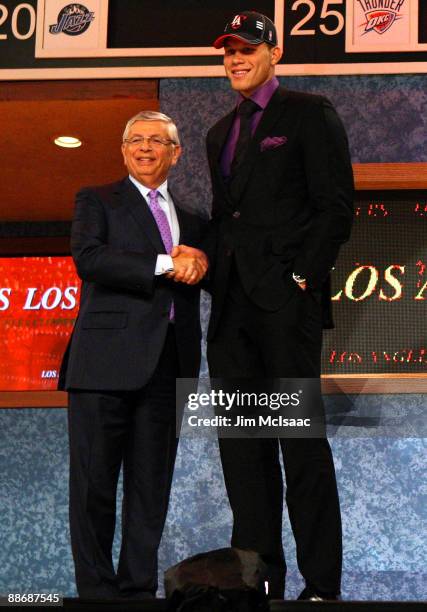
[249,66]
[148,152]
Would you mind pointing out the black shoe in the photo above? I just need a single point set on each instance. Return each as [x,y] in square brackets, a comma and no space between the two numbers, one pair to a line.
[308,594]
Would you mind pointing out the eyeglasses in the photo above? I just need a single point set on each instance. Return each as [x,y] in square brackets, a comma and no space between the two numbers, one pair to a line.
[154,141]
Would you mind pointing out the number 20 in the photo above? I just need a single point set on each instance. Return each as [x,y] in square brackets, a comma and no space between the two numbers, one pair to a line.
[326,12]
[14,21]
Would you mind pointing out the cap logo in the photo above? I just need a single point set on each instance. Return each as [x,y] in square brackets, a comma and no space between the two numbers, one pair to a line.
[237,21]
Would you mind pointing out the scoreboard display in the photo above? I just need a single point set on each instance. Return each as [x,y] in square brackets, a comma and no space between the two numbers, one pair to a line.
[141,38]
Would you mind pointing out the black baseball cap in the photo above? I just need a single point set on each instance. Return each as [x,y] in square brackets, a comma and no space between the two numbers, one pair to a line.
[249,26]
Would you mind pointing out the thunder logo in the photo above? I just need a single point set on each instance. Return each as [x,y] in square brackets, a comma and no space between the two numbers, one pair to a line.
[380,14]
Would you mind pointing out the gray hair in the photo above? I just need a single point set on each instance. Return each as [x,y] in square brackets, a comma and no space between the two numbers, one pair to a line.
[153,116]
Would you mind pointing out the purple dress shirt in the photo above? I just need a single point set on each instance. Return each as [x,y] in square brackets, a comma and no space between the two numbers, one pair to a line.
[262,97]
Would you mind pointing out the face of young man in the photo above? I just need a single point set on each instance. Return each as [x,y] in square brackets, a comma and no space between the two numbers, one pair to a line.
[149,154]
[249,66]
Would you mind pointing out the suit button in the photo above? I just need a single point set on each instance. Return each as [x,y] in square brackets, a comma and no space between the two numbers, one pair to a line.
[236,214]
[228,253]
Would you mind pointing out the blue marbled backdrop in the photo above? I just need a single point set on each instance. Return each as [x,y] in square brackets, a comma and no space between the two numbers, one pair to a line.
[385,118]
[382,481]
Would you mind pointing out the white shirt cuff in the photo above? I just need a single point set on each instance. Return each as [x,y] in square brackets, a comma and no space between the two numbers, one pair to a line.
[164,264]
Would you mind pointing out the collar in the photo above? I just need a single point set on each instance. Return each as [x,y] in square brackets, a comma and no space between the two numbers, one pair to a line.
[263,94]
[144,191]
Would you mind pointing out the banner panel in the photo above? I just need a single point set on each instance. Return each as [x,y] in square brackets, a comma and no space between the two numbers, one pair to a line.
[51,39]
[39,299]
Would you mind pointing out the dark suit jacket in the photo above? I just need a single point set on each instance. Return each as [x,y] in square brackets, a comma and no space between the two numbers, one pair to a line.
[290,207]
[124,308]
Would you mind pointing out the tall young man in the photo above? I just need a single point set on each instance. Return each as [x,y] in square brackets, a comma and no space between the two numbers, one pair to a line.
[282,206]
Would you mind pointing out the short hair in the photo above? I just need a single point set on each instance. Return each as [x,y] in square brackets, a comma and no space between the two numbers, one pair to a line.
[153,116]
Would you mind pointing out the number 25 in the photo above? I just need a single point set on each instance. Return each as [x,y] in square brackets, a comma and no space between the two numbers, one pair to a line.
[326,12]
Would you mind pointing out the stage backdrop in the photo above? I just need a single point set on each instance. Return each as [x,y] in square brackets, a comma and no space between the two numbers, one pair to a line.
[381,480]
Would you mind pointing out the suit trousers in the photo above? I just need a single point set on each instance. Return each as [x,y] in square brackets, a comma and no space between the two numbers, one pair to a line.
[135,430]
[253,343]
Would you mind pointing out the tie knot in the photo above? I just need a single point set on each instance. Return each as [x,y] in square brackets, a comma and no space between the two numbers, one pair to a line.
[153,194]
[247,108]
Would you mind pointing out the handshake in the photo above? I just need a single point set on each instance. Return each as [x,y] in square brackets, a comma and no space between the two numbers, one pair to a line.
[190,265]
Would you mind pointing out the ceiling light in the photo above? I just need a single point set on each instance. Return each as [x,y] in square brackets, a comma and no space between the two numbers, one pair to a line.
[69,142]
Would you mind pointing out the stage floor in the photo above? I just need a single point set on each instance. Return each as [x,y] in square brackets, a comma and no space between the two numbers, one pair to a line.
[158,605]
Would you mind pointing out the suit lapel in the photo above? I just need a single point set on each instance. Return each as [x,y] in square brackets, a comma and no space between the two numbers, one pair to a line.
[139,209]
[218,142]
[184,233]
[271,114]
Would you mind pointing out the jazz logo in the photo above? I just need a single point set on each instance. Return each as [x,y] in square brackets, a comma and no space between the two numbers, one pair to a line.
[73,19]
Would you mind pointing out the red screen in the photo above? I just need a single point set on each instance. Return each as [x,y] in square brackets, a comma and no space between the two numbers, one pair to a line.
[39,299]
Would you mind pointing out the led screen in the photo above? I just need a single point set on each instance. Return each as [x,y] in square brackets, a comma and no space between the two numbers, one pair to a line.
[380,291]
[38,306]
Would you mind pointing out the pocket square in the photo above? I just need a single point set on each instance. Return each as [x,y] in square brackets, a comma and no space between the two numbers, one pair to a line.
[272,142]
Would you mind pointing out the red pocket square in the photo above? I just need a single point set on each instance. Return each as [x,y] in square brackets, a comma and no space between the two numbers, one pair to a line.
[271,142]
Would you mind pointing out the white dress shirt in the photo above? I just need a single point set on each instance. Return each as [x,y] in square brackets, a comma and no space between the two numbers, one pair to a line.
[164,263]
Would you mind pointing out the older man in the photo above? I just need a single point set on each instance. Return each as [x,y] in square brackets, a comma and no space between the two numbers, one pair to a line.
[282,206]
[137,330]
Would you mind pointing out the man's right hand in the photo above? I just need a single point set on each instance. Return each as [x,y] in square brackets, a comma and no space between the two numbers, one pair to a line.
[190,264]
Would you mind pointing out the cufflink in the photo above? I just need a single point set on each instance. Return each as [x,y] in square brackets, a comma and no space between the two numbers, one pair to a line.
[166,270]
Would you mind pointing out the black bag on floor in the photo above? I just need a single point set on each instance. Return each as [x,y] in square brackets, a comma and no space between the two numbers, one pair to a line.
[224,580]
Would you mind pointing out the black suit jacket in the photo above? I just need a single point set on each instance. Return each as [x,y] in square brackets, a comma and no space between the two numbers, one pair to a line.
[124,308]
[289,208]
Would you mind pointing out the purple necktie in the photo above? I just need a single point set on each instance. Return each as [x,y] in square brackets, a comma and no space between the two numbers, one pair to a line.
[164,228]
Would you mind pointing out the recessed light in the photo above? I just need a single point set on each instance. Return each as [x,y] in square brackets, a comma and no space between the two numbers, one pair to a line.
[69,142]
